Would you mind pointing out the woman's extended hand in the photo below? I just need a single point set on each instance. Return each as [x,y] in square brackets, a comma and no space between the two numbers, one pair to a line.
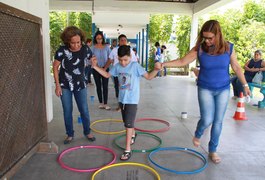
[158,66]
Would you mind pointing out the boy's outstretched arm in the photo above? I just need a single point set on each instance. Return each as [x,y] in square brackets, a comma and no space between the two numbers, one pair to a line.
[152,74]
[98,69]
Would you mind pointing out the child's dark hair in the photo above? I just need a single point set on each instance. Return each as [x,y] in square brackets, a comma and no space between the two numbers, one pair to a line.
[157,44]
[122,36]
[124,50]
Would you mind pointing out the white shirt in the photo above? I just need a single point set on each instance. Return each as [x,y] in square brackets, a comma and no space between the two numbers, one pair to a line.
[114,56]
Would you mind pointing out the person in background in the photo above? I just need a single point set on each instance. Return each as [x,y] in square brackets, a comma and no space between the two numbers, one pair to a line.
[157,55]
[129,74]
[215,54]
[101,50]
[136,55]
[113,44]
[70,79]
[163,58]
[251,67]
[88,69]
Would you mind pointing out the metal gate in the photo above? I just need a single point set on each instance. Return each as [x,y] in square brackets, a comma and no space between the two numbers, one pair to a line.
[23,121]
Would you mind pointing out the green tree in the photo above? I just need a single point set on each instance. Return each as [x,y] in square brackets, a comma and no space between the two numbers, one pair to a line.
[245,29]
[57,24]
[159,31]
[85,23]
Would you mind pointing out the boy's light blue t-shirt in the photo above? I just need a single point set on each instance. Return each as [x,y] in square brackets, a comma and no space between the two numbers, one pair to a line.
[129,81]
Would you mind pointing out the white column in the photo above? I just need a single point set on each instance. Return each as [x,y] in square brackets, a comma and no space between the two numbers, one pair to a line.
[193,35]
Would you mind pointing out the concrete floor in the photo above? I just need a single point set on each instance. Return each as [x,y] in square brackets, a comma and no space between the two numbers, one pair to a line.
[241,145]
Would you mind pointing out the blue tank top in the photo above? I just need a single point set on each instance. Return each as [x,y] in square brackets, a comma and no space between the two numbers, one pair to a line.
[253,64]
[214,70]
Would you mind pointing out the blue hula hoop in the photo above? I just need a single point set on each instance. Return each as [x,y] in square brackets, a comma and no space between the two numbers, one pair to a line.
[179,149]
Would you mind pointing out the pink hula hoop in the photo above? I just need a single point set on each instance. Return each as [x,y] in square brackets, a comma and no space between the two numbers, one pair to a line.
[155,130]
[81,147]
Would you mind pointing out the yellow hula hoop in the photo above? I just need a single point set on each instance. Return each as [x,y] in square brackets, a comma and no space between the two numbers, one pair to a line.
[106,120]
[126,164]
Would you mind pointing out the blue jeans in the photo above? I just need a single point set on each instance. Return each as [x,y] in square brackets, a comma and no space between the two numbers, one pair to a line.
[67,103]
[213,105]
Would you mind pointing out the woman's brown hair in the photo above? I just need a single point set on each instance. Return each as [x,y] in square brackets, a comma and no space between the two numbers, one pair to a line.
[70,32]
[221,45]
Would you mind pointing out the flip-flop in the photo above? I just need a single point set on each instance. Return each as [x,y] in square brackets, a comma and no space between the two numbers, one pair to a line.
[133,139]
[214,158]
[126,155]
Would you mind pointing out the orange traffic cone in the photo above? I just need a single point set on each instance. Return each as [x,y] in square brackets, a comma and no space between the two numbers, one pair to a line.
[240,110]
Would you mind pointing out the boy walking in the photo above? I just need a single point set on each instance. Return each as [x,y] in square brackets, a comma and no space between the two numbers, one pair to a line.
[129,74]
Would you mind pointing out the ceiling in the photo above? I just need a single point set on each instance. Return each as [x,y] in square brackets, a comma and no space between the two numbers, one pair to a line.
[131,16]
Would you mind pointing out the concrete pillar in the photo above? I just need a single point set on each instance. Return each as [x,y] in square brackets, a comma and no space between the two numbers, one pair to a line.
[142,46]
[146,47]
[193,35]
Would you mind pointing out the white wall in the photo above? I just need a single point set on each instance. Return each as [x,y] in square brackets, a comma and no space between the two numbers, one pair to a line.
[40,8]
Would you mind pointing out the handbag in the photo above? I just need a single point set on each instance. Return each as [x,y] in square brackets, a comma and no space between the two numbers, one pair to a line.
[258,77]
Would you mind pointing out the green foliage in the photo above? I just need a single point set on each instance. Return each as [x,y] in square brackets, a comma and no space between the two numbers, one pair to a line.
[57,24]
[160,28]
[244,29]
[254,11]
[182,30]
[151,60]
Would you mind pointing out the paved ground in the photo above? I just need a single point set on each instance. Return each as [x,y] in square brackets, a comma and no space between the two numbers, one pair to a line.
[241,146]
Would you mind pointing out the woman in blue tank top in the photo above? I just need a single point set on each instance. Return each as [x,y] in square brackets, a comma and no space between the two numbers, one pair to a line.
[215,55]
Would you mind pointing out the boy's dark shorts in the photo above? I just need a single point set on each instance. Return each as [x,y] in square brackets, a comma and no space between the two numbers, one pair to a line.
[128,112]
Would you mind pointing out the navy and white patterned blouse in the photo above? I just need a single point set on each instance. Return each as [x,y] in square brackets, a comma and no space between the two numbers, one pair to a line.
[72,69]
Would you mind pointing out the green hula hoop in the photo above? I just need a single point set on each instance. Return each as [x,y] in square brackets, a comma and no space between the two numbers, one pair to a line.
[140,150]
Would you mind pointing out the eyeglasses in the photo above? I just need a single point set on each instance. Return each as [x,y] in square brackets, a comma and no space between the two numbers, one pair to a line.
[208,38]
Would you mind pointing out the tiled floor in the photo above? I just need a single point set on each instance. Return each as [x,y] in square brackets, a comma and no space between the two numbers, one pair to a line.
[242,144]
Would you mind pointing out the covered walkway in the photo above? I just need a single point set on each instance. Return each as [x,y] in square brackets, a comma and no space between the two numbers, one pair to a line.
[241,146]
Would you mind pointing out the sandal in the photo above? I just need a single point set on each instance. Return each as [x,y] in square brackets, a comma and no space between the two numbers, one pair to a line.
[68,140]
[101,106]
[91,139]
[214,158]
[107,107]
[126,155]
[133,139]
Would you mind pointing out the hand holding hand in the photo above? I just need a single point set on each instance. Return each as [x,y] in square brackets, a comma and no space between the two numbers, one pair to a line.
[94,61]
[158,66]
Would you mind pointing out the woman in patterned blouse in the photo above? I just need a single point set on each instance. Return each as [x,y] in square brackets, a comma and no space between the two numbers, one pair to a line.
[68,69]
